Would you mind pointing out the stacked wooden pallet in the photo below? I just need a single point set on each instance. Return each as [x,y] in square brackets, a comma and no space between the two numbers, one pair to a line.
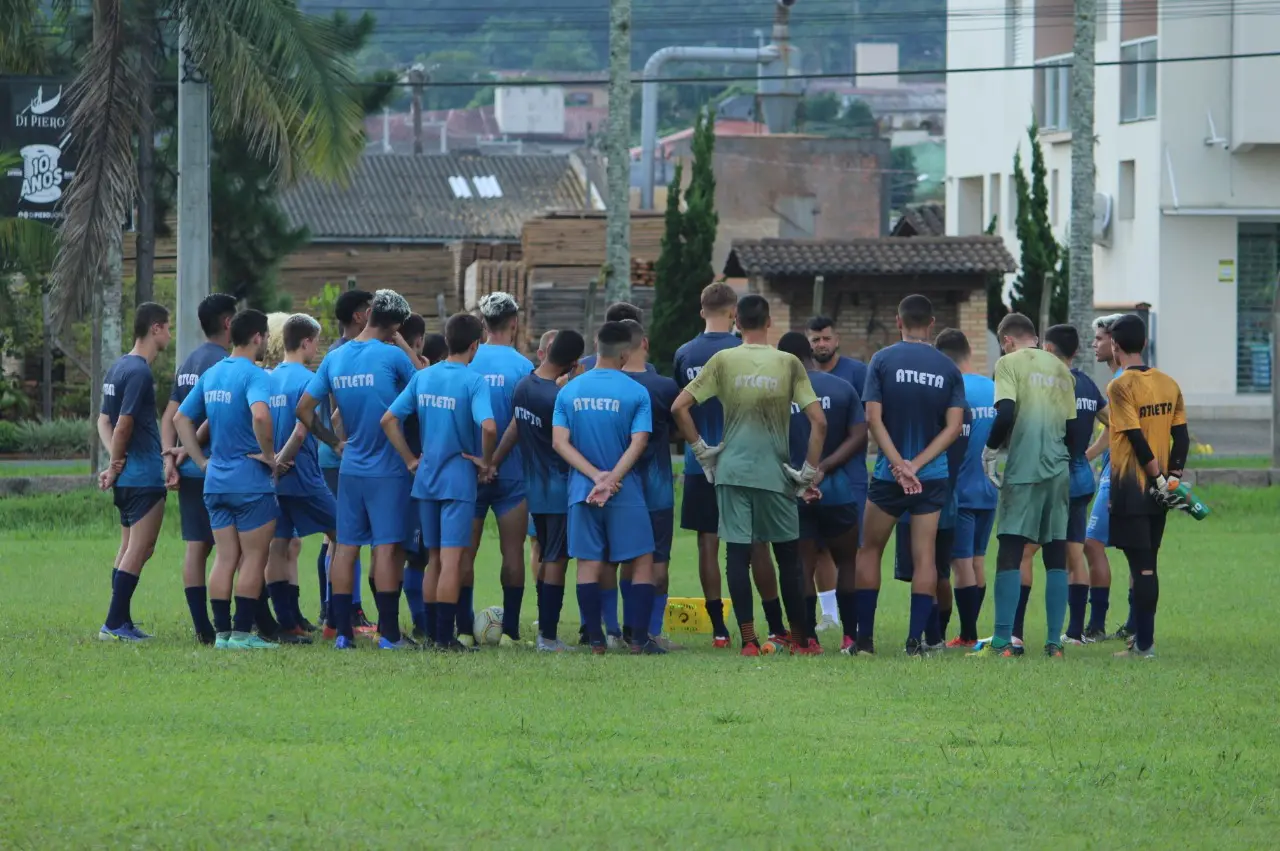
[578,239]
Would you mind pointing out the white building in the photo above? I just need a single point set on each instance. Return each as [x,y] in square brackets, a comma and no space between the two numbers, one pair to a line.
[1187,155]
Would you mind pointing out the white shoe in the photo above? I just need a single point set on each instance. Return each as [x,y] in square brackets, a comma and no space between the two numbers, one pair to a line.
[827,623]
[1067,641]
[556,646]
[615,642]
[934,648]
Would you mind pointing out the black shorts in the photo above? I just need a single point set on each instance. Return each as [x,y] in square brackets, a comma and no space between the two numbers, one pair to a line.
[1137,531]
[191,508]
[904,566]
[664,524]
[134,503]
[552,532]
[889,498]
[824,523]
[1078,519]
[331,479]
[699,511]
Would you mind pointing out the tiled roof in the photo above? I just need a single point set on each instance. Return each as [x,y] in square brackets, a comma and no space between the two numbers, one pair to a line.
[890,255]
[922,220]
[440,197]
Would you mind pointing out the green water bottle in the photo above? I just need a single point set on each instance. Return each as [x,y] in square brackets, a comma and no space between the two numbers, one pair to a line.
[1195,507]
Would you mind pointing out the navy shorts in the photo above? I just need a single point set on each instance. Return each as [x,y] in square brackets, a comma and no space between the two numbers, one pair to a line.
[699,511]
[244,511]
[552,532]
[889,498]
[301,516]
[973,532]
[501,495]
[191,508]
[823,523]
[1138,531]
[374,510]
[1078,519]
[134,503]
[943,552]
[664,525]
[608,533]
[445,522]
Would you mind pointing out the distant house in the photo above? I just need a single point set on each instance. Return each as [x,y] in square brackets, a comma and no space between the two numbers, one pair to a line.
[449,130]
[921,220]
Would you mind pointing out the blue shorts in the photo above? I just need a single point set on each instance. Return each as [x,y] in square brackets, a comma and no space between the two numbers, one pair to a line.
[664,526]
[889,497]
[191,508]
[502,495]
[1099,527]
[245,511]
[374,510]
[973,532]
[301,516]
[699,511]
[609,533]
[552,532]
[445,522]
[134,503]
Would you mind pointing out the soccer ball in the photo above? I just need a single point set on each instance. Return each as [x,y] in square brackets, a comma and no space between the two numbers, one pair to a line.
[489,626]
[769,648]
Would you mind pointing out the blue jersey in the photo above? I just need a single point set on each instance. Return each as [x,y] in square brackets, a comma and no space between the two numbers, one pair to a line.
[502,368]
[708,417]
[955,459]
[589,362]
[288,382]
[916,385]
[224,395]
[129,389]
[853,371]
[842,408]
[365,378]
[654,466]
[329,460]
[451,402]
[1089,400]
[1104,481]
[975,489]
[196,364]
[546,475]
[602,409]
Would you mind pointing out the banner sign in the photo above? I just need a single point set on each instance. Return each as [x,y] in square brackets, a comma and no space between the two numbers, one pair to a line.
[35,125]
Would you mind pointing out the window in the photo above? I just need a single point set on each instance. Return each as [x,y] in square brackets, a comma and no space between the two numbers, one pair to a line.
[993,196]
[1053,197]
[1138,82]
[1125,202]
[1053,93]
[578,99]
[1011,219]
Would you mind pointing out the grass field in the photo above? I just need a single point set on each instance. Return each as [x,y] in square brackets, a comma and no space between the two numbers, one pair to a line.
[171,745]
[11,469]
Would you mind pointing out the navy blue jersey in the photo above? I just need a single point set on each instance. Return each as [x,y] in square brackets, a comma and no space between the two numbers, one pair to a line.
[916,385]
[129,389]
[708,417]
[546,475]
[851,370]
[654,466]
[842,408]
[589,362]
[288,382]
[602,409]
[1089,400]
[197,363]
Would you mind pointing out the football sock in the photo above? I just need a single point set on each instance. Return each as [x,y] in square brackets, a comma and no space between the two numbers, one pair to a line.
[932,625]
[1130,624]
[1008,585]
[624,589]
[340,608]
[848,603]
[246,614]
[295,598]
[748,630]
[715,611]
[465,614]
[114,573]
[446,615]
[1020,611]
[262,614]
[659,617]
[1099,603]
[429,620]
[589,604]
[512,600]
[1077,603]
[791,586]
[642,594]
[1054,554]
[922,606]
[773,616]
[322,570]
[944,618]
[738,573]
[865,602]
[609,611]
[282,600]
[830,606]
[965,598]
[198,604]
[549,610]
[355,585]
[538,598]
[1146,596]
[221,615]
[413,579]
[388,603]
[121,593]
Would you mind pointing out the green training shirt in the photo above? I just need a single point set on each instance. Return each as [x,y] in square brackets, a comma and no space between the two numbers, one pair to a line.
[1043,391]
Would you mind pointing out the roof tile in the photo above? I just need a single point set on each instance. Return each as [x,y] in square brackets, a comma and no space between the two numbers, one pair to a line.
[921,255]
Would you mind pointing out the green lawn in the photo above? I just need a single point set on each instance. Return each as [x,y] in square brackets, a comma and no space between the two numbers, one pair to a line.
[171,745]
[10,470]
[1235,462]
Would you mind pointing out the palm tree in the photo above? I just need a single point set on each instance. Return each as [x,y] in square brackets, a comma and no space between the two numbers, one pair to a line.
[277,75]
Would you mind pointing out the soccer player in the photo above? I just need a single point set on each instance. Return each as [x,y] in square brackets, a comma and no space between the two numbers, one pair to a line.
[1035,402]
[135,474]
[234,395]
[618,312]
[546,477]
[451,402]
[535,555]
[365,376]
[215,312]
[976,495]
[435,348]
[1097,532]
[306,505]
[1149,448]
[698,511]
[502,367]
[600,427]
[824,340]
[832,520]
[915,410]
[754,483]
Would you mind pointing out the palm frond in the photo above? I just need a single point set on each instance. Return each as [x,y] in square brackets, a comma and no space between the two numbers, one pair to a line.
[105,100]
[21,48]
[281,77]
[27,246]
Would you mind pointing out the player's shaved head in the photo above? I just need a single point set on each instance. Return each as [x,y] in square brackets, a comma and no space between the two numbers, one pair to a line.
[954,344]
[621,310]
[637,331]
[1017,326]
[544,342]
[566,348]
[1129,334]
[1064,339]
[613,340]
[915,312]
[795,343]
[753,312]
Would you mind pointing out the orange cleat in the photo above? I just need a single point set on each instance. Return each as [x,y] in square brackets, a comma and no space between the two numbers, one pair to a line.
[812,648]
[722,643]
[751,650]
[959,643]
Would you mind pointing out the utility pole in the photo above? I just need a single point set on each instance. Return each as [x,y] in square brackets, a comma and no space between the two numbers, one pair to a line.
[417,80]
[1083,178]
[145,226]
[617,283]
[193,195]
[1275,378]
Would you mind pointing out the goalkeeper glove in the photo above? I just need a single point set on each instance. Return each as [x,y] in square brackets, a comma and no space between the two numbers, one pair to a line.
[990,464]
[1165,492]
[706,456]
[803,478]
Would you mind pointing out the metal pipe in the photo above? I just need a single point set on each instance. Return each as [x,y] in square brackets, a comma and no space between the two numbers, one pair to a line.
[649,96]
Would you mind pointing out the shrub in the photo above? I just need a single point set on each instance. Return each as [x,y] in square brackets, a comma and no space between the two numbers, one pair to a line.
[64,438]
[8,437]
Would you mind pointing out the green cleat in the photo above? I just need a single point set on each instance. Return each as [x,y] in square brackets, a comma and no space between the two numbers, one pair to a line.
[221,642]
[990,651]
[249,641]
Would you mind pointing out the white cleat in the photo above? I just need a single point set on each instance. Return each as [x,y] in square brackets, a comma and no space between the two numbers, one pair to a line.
[828,623]
[553,646]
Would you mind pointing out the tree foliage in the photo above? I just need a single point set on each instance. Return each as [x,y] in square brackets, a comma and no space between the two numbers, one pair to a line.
[1040,249]
[996,308]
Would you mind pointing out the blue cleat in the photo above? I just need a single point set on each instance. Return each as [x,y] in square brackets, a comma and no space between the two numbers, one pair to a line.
[344,643]
[124,632]
[402,644]
[139,634]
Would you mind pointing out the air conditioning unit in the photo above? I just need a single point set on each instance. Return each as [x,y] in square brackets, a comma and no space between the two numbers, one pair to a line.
[1103,213]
